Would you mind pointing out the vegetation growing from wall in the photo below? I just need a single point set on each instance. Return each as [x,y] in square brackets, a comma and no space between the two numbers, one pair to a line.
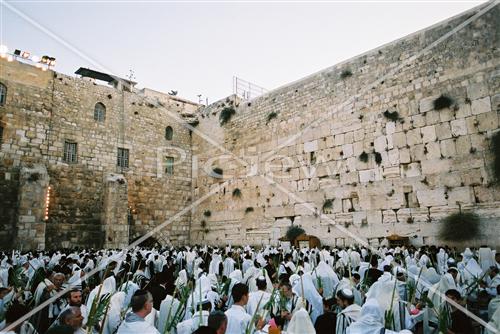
[237,193]
[294,232]
[460,226]
[327,205]
[391,115]
[363,157]
[226,114]
[442,102]
[345,74]
[272,115]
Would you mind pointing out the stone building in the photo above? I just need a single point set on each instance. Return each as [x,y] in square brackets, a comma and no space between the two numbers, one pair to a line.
[388,142]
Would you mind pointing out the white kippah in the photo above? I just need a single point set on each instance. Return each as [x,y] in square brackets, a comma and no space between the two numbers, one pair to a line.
[261,278]
[347,292]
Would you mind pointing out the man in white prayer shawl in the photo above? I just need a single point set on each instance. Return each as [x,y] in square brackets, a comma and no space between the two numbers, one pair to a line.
[442,258]
[382,291]
[199,318]
[494,304]
[258,299]
[329,279]
[350,311]
[169,311]
[228,265]
[116,307]
[371,320]
[486,258]
[301,323]
[142,305]
[305,288]
[214,264]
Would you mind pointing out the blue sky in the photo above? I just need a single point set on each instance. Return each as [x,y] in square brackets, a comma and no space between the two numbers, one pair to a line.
[197,47]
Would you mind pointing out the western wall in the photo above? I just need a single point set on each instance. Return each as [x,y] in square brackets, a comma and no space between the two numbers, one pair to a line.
[358,151]
[353,153]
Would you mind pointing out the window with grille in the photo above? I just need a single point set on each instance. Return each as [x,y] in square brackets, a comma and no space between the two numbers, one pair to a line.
[169,133]
[169,169]
[3,94]
[99,112]
[122,158]
[70,152]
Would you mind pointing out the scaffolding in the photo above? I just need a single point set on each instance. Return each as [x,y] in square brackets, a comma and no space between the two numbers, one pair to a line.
[246,90]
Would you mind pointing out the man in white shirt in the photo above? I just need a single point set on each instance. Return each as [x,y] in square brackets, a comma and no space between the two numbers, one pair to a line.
[142,305]
[258,298]
[237,319]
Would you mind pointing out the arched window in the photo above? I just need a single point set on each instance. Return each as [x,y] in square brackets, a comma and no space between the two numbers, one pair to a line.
[99,112]
[3,94]
[169,133]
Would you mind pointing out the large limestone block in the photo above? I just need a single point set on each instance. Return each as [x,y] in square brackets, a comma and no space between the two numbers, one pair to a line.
[428,133]
[435,166]
[380,143]
[458,127]
[462,195]
[413,137]
[480,106]
[433,197]
[311,146]
[477,90]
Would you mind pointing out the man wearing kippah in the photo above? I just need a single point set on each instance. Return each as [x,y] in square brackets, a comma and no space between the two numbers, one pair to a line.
[350,311]
[142,305]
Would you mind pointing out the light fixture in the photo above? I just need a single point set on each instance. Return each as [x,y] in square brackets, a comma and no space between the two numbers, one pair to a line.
[52,61]
[25,54]
[4,49]
[10,58]
[17,52]
[35,59]
[45,59]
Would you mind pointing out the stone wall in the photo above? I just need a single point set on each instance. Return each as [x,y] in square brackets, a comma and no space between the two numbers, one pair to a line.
[45,109]
[296,153]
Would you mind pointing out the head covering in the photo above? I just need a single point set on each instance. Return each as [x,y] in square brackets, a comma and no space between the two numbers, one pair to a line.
[301,323]
[310,294]
[370,320]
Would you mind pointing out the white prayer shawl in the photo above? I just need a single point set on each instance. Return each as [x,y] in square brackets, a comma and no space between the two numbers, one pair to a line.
[495,322]
[113,319]
[252,279]
[370,320]
[4,277]
[347,316]
[39,290]
[442,258]
[382,291]
[345,283]
[228,266]
[329,279]
[486,258]
[108,286]
[424,260]
[247,264]
[237,320]
[191,325]
[300,323]
[129,288]
[355,259]
[182,279]
[310,294]
[253,300]
[142,327]
[169,308]
[214,264]
[436,291]
[493,306]
[471,271]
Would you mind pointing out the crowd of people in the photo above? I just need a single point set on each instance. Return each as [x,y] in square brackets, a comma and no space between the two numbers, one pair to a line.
[246,290]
